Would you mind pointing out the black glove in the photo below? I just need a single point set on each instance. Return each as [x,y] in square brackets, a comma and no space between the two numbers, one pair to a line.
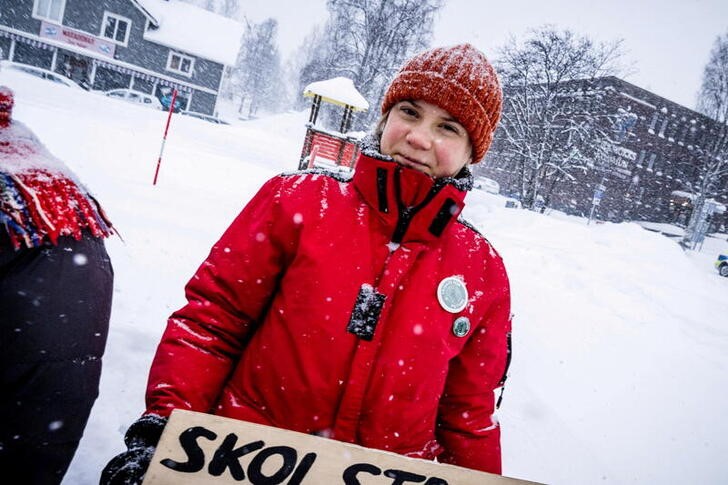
[141,439]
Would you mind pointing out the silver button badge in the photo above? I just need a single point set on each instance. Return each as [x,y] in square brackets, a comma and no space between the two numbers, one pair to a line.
[452,294]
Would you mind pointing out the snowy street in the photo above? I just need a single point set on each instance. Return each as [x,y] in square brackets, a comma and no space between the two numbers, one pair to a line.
[620,338]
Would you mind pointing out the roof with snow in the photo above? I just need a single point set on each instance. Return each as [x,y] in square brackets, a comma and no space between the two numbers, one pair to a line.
[339,90]
[718,207]
[192,29]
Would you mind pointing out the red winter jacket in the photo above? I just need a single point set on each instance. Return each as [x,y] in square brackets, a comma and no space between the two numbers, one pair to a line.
[307,316]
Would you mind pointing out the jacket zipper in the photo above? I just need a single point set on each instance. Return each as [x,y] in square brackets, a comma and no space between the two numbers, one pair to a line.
[405,214]
[403,222]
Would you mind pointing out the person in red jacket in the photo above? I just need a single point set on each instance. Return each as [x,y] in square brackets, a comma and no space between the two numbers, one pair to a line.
[358,308]
[55,301]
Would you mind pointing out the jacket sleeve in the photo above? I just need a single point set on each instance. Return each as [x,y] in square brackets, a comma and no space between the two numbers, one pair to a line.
[226,298]
[467,428]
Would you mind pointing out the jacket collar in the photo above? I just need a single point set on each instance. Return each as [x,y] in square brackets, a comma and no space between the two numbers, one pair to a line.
[413,205]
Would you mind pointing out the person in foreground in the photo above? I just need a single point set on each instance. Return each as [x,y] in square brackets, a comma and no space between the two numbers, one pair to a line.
[55,301]
[360,309]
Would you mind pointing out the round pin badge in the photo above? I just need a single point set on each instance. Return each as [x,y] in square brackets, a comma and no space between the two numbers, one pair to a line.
[452,294]
[461,326]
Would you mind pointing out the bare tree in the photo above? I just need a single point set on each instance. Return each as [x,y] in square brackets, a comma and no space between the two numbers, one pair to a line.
[307,64]
[255,81]
[367,41]
[711,181]
[713,95]
[554,122]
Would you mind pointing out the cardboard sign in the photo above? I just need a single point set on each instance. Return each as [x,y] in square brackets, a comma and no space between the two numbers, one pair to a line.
[198,449]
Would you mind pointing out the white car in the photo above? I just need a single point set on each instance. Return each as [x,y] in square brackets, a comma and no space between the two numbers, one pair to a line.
[487,184]
[203,116]
[134,97]
[39,72]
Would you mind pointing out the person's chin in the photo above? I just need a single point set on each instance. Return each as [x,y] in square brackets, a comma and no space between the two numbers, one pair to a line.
[413,165]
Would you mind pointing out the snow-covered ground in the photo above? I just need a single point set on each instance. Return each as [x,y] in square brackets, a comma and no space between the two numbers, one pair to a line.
[620,363]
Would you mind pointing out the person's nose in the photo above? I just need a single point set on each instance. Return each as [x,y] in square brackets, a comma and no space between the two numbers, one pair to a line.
[419,137]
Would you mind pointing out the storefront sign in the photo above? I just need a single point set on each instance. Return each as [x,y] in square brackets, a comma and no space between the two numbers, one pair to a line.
[77,38]
[618,159]
[201,449]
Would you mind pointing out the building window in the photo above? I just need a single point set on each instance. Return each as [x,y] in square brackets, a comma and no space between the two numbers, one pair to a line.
[662,129]
[651,162]
[683,135]
[180,63]
[49,10]
[653,123]
[115,28]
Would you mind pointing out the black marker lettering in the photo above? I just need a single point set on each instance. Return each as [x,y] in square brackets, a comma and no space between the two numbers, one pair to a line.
[226,456]
[195,456]
[351,472]
[302,469]
[255,469]
[401,476]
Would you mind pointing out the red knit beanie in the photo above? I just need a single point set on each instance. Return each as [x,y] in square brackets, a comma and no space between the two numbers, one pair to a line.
[459,80]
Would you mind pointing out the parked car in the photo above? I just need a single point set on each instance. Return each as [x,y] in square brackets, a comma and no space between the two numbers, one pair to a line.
[54,77]
[134,97]
[203,116]
[486,184]
[721,264]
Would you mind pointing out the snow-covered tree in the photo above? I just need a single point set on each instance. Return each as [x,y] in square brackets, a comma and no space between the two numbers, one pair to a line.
[554,122]
[256,80]
[711,180]
[305,65]
[367,41]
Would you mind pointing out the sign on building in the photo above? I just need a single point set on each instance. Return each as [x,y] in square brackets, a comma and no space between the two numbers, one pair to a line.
[77,38]
[617,159]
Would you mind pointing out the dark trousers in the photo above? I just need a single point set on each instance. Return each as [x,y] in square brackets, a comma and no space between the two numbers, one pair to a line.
[55,303]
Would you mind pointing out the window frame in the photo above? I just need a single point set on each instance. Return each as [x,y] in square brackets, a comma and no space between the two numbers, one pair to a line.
[62,11]
[116,17]
[653,122]
[661,133]
[182,58]
[651,161]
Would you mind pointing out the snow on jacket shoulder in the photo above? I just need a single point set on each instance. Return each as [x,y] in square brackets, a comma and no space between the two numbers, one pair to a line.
[359,309]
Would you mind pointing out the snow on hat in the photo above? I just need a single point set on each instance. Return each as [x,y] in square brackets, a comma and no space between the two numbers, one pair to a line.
[458,79]
[7,100]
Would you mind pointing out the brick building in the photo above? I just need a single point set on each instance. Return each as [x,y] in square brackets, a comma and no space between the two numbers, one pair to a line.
[653,155]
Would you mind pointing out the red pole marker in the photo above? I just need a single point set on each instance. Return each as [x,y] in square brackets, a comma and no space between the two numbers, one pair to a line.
[164,139]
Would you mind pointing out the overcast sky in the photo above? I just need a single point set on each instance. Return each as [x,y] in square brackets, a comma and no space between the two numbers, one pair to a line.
[666,41]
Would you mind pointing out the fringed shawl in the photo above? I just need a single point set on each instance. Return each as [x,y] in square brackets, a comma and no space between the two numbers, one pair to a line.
[40,198]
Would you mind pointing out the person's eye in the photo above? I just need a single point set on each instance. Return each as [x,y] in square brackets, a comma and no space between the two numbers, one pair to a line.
[408,110]
[451,128]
